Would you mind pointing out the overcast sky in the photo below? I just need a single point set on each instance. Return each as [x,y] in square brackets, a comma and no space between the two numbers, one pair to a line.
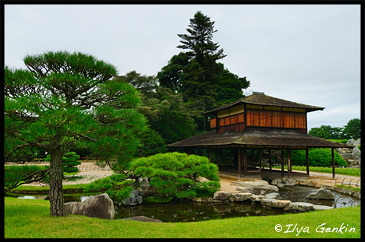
[303,53]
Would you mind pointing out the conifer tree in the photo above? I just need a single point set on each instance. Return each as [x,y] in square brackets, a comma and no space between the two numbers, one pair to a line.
[63,99]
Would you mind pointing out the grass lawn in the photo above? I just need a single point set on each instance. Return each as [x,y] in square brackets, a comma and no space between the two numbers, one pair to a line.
[31,219]
[338,170]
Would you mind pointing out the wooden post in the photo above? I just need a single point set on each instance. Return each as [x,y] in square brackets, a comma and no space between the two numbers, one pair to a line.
[289,162]
[282,161]
[239,162]
[333,163]
[210,154]
[253,157]
[260,158]
[270,161]
[244,160]
[307,159]
[216,156]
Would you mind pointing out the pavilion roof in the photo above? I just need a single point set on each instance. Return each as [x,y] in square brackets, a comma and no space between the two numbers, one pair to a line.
[262,99]
[284,138]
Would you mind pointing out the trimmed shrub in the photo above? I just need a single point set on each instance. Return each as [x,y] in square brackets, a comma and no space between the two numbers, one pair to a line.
[70,161]
[317,157]
[178,174]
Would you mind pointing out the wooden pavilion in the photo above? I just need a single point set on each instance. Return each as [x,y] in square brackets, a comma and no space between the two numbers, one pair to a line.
[259,122]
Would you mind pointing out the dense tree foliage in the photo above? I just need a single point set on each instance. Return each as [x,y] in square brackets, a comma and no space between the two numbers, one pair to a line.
[165,110]
[63,99]
[352,130]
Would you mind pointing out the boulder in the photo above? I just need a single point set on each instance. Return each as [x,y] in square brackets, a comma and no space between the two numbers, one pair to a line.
[143,219]
[275,203]
[272,195]
[321,193]
[98,206]
[321,207]
[256,198]
[240,197]
[245,189]
[299,206]
[350,142]
[356,153]
[276,181]
[280,203]
[290,182]
[143,183]
[133,199]
[259,187]
[222,195]
[266,201]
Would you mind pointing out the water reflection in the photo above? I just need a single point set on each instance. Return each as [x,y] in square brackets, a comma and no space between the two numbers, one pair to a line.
[66,198]
[191,211]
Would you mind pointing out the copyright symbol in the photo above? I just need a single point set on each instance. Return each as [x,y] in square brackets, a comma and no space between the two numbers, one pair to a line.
[278,228]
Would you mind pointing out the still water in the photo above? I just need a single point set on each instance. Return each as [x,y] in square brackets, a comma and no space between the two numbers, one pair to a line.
[192,211]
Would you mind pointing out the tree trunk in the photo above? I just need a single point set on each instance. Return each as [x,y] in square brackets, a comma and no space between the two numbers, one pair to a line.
[55,186]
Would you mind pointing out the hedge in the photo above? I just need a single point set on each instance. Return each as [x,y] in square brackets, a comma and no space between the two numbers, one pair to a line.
[317,157]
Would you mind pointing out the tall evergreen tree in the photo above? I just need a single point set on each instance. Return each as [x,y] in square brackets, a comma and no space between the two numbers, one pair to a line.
[195,73]
[199,41]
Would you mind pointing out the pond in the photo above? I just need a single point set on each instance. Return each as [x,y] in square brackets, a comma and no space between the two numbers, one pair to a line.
[192,211]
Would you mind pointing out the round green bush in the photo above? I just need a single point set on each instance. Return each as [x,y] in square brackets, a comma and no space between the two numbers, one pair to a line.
[178,174]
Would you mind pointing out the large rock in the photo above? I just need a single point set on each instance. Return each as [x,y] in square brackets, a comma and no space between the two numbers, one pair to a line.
[321,193]
[276,181]
[275,203]
[133,199]
[222,195]
[98,206]
[280,203]
[240,197]
[245,189]
[290,182]
[272,195]
[321,207]
[350,142]
[300,206]
[258,188]
[257,198]
[356,154]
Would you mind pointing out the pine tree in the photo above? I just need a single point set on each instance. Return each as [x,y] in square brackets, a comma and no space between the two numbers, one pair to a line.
[64,99]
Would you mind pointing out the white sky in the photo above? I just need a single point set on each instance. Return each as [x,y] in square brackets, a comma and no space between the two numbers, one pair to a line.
[303,53]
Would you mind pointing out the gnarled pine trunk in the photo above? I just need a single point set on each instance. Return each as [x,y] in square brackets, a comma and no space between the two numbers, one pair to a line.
[55,188]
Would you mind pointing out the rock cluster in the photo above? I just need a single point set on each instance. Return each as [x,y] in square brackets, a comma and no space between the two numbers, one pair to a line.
[262,192]
[351,155]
